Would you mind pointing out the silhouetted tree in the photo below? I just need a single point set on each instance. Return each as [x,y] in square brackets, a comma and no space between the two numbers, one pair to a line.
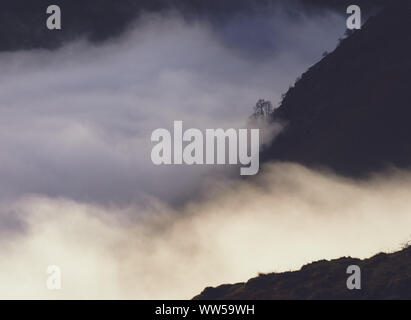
[263,108]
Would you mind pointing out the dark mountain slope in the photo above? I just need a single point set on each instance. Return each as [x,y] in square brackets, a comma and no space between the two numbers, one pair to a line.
[351,111]
[384,276]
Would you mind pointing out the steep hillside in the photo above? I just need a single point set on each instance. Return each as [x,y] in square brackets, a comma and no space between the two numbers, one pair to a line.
[384,276]
[351,111]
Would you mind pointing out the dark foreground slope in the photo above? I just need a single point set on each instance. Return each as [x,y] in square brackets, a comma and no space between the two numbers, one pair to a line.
[351,111]
[384,276]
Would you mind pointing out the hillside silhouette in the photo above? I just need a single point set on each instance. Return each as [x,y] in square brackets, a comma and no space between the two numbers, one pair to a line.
[384,276]
[351,111]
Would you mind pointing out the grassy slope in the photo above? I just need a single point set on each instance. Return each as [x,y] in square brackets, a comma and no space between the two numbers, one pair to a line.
[384,276]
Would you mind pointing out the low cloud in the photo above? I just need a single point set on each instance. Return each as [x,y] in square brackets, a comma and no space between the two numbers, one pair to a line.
[78,188]
[278,222]
[76,122]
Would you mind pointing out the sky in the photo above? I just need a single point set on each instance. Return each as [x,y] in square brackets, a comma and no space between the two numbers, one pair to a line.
[78,188]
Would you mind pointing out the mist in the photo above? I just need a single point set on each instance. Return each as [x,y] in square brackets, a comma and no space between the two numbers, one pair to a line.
[78,188]
[287,218]
[76,122]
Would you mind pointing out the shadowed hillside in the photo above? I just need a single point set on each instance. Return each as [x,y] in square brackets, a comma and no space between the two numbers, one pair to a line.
[351,111]
[384,276]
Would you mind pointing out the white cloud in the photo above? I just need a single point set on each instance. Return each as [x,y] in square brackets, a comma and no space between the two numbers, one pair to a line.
[76,122]
[79,189]
[284,219]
